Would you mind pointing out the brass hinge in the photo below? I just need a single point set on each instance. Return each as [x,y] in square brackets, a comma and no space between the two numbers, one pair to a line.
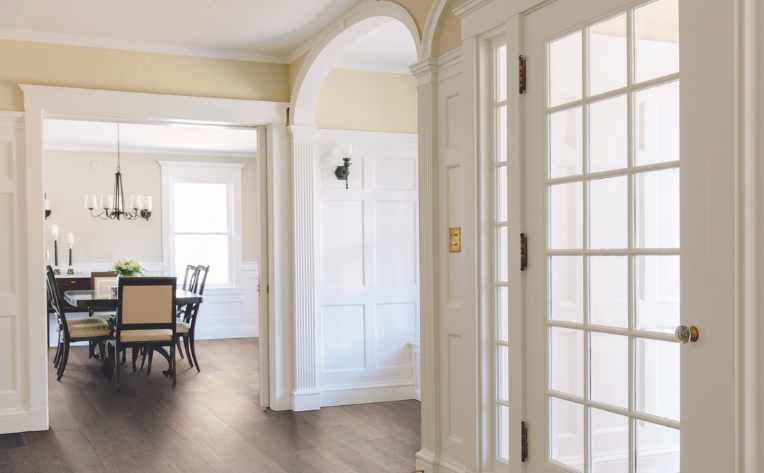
[524,440]
[522,74]
[523,252]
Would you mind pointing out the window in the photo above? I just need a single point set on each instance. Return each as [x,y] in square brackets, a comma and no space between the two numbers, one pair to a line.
[501,230]
[201,206]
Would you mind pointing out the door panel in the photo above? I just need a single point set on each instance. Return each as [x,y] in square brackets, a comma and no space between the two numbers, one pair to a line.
[608,181]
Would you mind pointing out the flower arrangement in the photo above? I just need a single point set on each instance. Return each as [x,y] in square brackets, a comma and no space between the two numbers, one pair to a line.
[128,267]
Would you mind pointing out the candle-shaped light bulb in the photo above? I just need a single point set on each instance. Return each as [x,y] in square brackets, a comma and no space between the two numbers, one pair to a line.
[139,202]
[149,203]
[70,239]
[102,202]
[87,201]
[110,201]
[93,201]
[45,202]
[54,231]
[132,202]
[350,151]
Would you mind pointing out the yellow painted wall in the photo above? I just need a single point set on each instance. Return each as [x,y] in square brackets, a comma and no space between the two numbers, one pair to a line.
[74,66]
[448,35]
[368,101]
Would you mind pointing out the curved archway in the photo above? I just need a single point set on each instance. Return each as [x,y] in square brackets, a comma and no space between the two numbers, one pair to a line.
[431,26]
[325,55]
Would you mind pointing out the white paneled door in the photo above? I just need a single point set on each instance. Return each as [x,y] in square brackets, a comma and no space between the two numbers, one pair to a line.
[621,158]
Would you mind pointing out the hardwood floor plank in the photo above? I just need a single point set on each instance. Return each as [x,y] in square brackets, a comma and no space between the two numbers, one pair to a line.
[211,423]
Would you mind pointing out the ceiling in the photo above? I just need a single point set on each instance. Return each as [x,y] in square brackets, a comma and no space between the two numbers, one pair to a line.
[388,47]
[196,140]
[237,29]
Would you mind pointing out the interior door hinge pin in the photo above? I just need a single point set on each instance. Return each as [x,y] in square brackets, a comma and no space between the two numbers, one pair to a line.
[523,251]
[522,74]
[524,442]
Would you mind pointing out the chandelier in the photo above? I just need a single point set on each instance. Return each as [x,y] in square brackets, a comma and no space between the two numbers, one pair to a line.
[113,206]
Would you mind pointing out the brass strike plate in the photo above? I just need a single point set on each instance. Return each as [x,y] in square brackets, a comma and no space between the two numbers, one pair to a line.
[455,239]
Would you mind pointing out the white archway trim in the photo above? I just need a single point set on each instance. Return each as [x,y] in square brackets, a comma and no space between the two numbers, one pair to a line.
[331,42]
[431,26]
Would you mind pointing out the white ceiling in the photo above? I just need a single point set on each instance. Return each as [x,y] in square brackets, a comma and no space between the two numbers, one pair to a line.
[75,135]
[386,48]
[239,29]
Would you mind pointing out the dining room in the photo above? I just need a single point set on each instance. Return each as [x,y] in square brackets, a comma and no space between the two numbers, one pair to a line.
[149,219]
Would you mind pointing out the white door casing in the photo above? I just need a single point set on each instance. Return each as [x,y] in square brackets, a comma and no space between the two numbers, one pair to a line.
[15,412]
[635,352]
[368,294]
[60,102]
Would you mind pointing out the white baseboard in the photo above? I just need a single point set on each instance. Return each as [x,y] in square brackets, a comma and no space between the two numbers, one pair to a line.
[23,420]
[306,401]
[430,462]
[221,330]
[345,395]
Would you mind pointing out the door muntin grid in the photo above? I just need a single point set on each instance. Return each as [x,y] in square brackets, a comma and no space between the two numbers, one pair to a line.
[612,194]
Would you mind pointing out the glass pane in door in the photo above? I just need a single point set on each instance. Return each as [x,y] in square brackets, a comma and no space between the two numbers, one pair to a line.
[613,244]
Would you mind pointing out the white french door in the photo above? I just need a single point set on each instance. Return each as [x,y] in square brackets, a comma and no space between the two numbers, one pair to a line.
[625,240]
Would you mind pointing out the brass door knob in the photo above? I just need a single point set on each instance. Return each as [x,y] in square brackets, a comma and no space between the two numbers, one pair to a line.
[685,334]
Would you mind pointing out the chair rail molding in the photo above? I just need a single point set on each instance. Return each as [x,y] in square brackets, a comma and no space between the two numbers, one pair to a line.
[88,104]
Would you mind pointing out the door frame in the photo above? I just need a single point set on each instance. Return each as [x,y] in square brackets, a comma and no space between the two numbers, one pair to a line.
[42,102]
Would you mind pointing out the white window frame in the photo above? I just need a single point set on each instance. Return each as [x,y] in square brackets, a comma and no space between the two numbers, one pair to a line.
[203,172]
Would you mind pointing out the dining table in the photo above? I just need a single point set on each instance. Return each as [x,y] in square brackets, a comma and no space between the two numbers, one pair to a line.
[91,301]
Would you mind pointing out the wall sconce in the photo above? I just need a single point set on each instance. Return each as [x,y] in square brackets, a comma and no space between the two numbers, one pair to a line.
[46,206]
[343,172]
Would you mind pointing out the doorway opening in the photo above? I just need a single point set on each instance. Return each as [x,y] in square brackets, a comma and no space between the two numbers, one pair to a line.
[360,99]
[191,196]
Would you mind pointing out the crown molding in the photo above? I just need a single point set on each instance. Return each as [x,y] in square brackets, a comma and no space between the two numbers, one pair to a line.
[131,152]
[134,46]
[469,6]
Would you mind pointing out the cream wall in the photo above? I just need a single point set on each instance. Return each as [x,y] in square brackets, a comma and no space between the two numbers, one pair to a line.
[448,35]
[368,101]
[68,175]
[74,66]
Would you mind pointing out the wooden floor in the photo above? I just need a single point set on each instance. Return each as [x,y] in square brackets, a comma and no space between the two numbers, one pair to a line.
[210,423]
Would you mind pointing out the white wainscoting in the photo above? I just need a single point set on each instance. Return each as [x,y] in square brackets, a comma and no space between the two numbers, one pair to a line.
[368,275]
[225,313]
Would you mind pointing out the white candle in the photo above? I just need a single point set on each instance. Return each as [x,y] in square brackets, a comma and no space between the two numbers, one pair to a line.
[139,201]
[132,202]
[70,239]
[110,201]
[102,202]
[54,231]
[350,151]
[46,204]
[149,203]
[93,201]
[87,201]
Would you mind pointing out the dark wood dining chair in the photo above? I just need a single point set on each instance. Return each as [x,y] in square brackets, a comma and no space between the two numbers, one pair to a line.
[190,277]
[91,330]
[186,331]
[145,320]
